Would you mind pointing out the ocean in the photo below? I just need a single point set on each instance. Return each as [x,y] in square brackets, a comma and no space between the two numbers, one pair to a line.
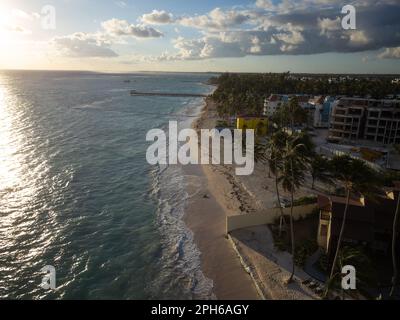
[77,193]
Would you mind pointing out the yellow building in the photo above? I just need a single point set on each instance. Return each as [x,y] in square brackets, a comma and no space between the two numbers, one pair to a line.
[259,124]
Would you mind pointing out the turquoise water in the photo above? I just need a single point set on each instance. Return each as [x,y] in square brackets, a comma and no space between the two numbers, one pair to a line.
[76,191]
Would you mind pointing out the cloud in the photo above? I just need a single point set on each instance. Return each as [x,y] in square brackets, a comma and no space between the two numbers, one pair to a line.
[328,25]
[116,27]
[292,36]
[81,45]
[358,38]
[273,30]
[20,14]
[157,17]
[390,53]
[16,29]
[216,19]
[271,27]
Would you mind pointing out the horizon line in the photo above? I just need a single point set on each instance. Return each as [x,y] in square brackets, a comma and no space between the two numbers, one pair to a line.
[199,72]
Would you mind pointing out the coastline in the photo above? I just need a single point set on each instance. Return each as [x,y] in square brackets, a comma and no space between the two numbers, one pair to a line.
[240,266]
[205,216]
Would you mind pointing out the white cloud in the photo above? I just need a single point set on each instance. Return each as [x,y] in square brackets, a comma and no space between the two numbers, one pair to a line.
[216,19]
[328,26]
[390,53]
[20,14]
[291,36]
[358,37]
[157,17]
[83,45]
[116,27]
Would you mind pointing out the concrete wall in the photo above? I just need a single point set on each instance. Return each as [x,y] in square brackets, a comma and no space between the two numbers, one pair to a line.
[255,219]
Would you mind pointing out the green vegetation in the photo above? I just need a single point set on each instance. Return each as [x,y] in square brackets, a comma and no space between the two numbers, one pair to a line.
[389,176]
[305,200]
[359,258]
[355,176]
[290,114]
[222,124]
[303,251]
[320,170]
[244,93]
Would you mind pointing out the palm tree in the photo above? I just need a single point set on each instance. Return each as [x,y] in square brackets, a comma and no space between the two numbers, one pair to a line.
[292,177]
[394,239]
[296,113]
[350,256]
[320,170]
[355,176]
[270,154]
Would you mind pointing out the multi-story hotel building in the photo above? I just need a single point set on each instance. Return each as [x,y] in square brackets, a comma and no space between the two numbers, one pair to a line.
[368,119]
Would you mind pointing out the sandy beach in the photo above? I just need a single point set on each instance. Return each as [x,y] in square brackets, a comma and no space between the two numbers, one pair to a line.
[205,216]
[220,193]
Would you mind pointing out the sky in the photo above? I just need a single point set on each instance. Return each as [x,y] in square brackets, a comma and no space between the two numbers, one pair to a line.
[200,35]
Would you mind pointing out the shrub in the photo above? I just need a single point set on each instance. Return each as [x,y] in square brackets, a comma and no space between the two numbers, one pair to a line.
[303,251]
[305,200]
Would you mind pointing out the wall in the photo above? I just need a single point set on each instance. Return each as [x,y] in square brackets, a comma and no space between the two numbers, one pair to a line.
[269,216]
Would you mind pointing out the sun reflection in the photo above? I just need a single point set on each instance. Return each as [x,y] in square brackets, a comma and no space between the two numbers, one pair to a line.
[8,166]
[15,191]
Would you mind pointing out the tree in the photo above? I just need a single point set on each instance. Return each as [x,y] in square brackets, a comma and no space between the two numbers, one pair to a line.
[394,239]
[292,177]
[350,256]
[357,177]
[320,170]
[270,154]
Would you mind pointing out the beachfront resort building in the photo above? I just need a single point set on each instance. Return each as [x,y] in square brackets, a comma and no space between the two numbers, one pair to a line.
[322,110]
[318,108]
[368,223]
[367,119]
[257,123]
[274,102]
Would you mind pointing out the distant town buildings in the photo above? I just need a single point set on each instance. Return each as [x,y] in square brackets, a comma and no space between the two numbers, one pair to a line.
[318,107]
[275,101]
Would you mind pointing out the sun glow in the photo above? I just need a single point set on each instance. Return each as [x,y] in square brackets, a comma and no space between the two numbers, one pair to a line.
[14,32]
[8,176]
[7,24]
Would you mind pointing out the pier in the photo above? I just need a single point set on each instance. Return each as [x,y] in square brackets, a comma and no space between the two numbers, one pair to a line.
[167,94]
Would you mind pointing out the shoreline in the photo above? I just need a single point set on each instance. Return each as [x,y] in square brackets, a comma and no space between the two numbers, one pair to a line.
[205,216]
[239,264]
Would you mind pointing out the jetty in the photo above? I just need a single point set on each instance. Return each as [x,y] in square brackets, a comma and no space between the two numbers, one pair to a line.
[167,94]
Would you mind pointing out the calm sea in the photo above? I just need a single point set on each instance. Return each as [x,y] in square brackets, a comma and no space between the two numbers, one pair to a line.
[77,193]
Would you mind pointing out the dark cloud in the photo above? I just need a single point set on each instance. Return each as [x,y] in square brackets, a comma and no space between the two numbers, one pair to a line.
[307,30]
